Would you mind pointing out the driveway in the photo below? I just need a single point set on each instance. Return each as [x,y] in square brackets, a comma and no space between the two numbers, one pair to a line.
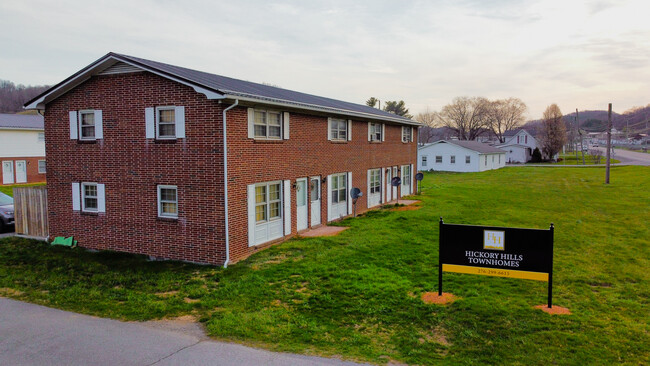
[36,335]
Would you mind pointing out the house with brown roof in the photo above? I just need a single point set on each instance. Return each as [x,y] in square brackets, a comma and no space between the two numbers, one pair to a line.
[151,158]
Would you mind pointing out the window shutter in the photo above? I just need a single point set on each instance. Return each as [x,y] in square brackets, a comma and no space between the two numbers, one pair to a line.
[251,121]
[150,123]
[329,129]
[349,130]
[99,125]
[251,215]
[179,113]
[74,132]
[287,207]
[368,191]
[347,192]
[101,198]
[383,186]
[412,133]
[329,198]
[369,134]
[383,133]
[285,120]
[76,197]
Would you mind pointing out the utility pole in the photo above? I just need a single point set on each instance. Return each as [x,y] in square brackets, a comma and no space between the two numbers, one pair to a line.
[609,141]
[582,147]
[574,140]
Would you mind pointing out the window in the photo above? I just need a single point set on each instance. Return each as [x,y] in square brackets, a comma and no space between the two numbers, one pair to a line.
[41,167]
[468,159]
[86,125]
[267,125]
[89,197]
[41,137]
[375,130]
[424,160]
[452,159]
[338,129]
[168,201]
[485,160]
[166,122]
[375,181]
[339,188]
[268,201]
[438,159]
[406,134]
[406,172]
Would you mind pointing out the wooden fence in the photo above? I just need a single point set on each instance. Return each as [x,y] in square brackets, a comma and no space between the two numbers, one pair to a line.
[30,211]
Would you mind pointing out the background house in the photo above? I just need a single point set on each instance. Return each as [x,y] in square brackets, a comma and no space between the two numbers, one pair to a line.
[460,156]
[176,163]
[519,146]
[22,148]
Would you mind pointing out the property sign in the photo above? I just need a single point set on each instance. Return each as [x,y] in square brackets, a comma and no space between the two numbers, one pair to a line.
[496,251]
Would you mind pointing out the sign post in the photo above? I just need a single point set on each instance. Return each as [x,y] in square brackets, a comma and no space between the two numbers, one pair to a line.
[497,251]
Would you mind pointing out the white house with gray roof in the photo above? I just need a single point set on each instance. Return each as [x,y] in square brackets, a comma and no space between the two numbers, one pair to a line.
[460,156]
[22,149]
[519,146]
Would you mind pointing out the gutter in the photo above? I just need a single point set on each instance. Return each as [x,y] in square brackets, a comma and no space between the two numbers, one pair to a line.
[225,180]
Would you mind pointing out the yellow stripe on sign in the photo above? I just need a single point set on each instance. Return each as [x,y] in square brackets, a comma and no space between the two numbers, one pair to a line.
[526,275]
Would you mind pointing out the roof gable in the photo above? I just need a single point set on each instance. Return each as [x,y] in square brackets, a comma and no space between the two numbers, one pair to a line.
[217,87]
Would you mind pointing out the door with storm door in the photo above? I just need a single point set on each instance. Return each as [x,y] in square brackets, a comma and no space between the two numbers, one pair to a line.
[388,186]
[314,198]
[301,203]
[7,172]
[21,171]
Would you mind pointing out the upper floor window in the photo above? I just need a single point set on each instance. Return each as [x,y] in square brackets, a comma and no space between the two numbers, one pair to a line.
[85,125]
[407,134]
[267,124]
[166,123]
[338,129]
[375,131]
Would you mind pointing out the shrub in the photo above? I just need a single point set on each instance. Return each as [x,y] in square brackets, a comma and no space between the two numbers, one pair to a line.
[537,156]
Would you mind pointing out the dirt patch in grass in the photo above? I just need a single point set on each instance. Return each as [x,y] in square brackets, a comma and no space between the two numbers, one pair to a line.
[5,291]
[166,294]
[555,310]
[191,301]
[407,208]
[433,298]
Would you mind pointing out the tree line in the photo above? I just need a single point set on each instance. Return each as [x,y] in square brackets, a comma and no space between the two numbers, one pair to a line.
[12,97]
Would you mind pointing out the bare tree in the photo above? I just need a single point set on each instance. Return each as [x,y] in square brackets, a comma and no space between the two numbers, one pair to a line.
[552,132]
[466,116]
[505,115]
[428,119]
[12,97]
[596,155]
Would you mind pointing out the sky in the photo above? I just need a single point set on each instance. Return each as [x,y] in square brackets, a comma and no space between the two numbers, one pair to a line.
[578,54]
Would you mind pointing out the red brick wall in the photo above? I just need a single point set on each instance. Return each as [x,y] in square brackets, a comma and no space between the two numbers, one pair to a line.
[33,176]
[131,167]
[307,153]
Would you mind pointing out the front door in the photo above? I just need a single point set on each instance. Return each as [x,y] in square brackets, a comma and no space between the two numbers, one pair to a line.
[7,172]
[388,186]
[301,203]
[21,171]
[395,188]
[314,198]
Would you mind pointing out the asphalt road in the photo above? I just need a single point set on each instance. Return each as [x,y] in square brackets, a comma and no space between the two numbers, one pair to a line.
[627,157]
[36,335]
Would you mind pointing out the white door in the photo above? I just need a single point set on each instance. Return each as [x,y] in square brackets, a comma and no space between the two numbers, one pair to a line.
[301,203]
[374,187]
[314,198]
[7,172]
[21,171]
[395,188]
[389,190]
[406,180]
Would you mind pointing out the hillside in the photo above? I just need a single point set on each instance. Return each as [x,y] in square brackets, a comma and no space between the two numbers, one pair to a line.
[596,121]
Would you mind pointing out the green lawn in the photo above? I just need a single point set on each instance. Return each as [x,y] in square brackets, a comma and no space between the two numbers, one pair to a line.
[10,189]
[357,294]
[570,159]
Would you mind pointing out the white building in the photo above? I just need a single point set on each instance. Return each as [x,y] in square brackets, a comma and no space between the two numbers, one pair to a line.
[519,146]
[460,156]
[22,149]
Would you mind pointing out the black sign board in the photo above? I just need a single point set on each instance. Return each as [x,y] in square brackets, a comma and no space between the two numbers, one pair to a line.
[396,181]
[497,251]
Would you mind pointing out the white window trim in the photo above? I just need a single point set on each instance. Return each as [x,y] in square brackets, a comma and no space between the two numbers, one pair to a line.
[160,202]
[80,121]
[468,159]
[282,126]
[44,166]
[425,161]
[157,125]
[407,136]
[438,162]
[452,159]
[372,133]
[268,202]
[331,129]
[83,197]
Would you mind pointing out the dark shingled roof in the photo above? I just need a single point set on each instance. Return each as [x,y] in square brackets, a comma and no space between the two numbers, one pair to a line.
[510,133]
[21,121]
[231,89]
[474,145]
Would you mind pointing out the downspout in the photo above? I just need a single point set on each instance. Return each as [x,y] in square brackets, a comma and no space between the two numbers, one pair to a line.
[225,180]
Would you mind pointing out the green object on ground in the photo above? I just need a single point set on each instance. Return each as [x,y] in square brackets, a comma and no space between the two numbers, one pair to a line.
[68,242]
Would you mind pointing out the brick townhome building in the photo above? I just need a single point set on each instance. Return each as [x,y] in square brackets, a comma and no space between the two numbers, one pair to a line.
[136,160]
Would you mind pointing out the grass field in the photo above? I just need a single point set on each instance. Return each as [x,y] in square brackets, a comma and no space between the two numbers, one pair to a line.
[570,159]
[357,295]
